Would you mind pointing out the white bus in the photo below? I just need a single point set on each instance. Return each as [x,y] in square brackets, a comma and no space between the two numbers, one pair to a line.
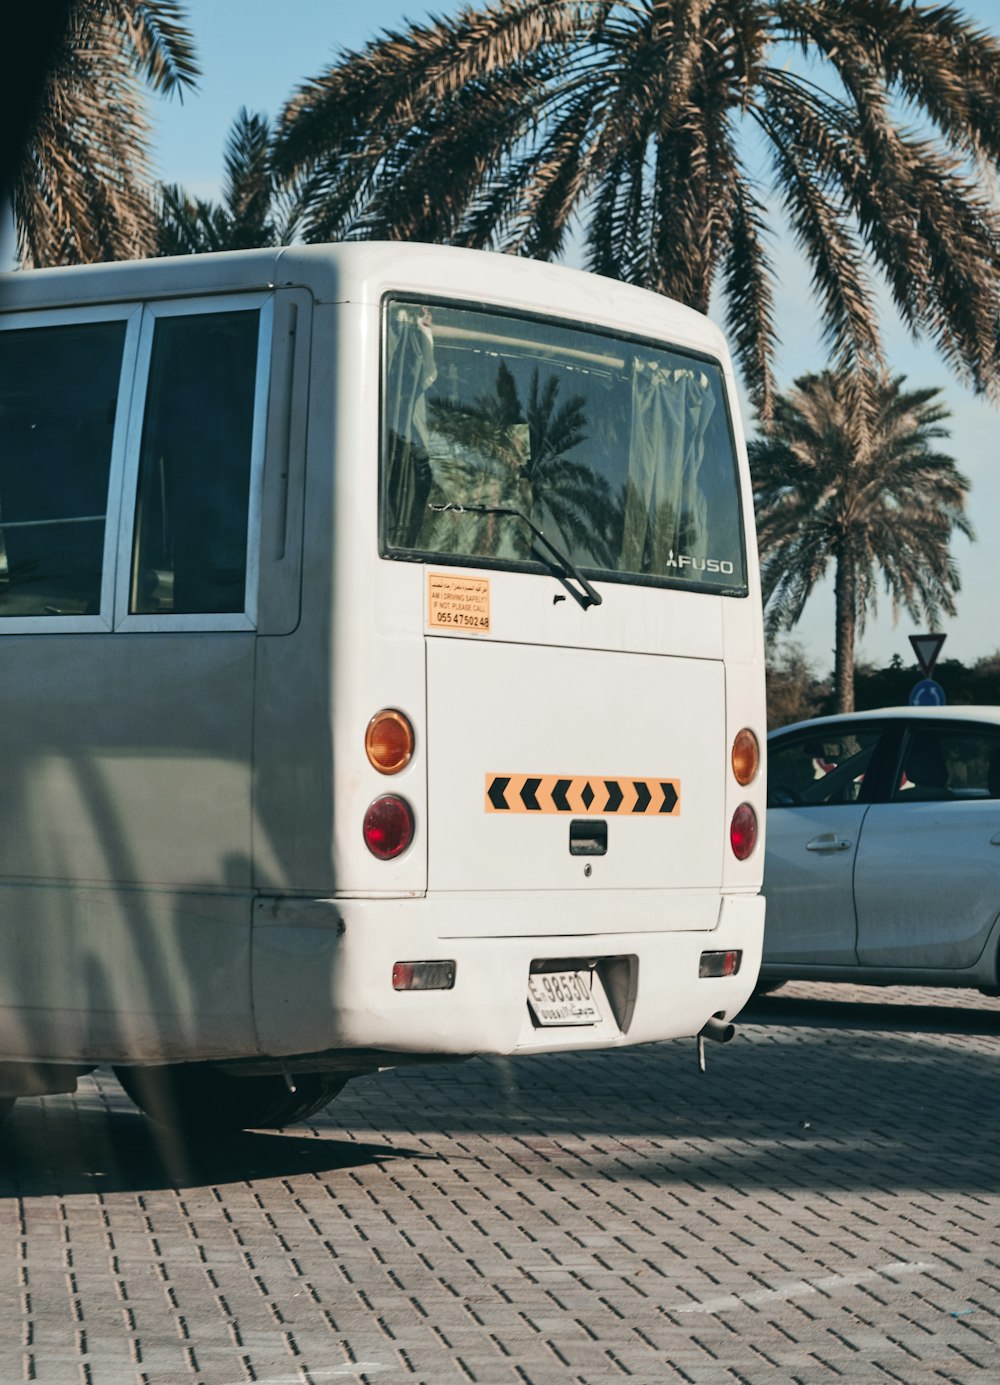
[381,673]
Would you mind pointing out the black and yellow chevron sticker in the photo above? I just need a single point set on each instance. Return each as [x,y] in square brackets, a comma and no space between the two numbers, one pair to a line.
[591,795]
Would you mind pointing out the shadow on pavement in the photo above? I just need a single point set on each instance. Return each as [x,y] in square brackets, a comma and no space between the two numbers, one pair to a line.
[871,1015]
[62,1147]
[784,1107]
[820,1095]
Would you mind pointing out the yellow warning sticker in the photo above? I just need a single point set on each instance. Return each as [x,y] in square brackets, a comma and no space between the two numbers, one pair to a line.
[458,603]
[592,795]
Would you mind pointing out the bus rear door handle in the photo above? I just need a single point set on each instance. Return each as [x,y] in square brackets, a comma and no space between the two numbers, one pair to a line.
[829,842]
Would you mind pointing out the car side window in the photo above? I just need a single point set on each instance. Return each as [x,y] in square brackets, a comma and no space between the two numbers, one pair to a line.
[949,763]
[823,765]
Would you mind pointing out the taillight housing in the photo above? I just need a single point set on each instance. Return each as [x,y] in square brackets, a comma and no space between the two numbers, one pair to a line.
[388,827]
[743,831]
[423,976]
[720,963]
[389,741]
[745,757]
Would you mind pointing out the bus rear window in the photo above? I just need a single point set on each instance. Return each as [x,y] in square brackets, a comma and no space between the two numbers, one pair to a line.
[621,452]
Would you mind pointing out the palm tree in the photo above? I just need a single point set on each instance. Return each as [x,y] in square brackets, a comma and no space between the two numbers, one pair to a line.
[255,209]
[886,504]
[81,188]
[503,125]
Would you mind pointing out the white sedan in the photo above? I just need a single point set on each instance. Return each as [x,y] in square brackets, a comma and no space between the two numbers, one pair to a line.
[883,849]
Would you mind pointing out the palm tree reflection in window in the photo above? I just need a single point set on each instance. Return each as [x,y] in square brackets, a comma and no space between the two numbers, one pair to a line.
[499,451]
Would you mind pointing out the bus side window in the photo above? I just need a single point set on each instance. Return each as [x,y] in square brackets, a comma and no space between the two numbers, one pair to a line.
[190,546]
[58,397]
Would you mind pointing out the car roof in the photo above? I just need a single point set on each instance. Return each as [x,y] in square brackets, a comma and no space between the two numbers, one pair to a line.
[982,713]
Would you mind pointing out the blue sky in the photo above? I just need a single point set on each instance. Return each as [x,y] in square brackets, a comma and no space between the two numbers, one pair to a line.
[255,52]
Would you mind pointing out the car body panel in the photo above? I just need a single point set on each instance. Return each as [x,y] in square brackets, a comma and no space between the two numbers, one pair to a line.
[927,883]
[904,884]
[808,882]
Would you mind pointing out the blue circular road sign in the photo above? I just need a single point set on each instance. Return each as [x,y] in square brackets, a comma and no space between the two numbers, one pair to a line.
[927,693]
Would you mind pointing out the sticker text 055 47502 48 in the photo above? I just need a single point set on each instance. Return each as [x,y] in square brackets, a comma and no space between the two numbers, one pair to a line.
[458,603]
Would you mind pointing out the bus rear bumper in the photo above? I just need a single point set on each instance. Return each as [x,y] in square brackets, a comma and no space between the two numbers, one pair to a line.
[323,977]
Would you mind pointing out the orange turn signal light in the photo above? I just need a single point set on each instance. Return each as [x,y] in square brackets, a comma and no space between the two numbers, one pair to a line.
[389,741]
[746,756]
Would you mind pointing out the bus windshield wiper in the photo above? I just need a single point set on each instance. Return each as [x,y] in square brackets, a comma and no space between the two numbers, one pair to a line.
[587,596]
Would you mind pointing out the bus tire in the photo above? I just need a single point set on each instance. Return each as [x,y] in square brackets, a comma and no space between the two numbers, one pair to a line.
[201,1099]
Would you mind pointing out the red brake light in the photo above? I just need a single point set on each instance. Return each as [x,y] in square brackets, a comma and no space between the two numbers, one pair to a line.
[388,827]
[743,831]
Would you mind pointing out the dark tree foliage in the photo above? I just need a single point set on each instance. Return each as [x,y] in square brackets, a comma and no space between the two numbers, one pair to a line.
[795,691]
[964,685]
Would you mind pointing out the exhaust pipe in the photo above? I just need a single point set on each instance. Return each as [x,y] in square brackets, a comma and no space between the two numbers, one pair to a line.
[717,1031]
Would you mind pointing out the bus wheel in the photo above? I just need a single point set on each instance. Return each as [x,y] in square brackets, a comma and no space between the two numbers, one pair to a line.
[201,1099]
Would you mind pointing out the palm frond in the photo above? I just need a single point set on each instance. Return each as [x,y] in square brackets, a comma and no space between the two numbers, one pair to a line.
[155,32]
[256,210]
[932,55]
[824,233]
[82,189]
[749,296]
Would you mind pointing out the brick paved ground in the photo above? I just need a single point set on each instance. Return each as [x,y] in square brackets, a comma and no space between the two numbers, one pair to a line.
[824,1206]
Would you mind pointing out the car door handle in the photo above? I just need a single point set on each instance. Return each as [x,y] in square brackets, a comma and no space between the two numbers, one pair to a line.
[995,839]
[829,842]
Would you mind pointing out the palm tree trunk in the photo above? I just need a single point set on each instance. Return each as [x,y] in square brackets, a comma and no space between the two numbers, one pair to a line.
[846,617]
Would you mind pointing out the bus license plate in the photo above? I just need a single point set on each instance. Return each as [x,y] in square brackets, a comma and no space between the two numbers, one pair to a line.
[563,997]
